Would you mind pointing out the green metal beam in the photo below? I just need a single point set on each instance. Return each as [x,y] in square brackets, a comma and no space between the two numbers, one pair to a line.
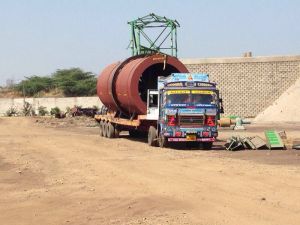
[167,35]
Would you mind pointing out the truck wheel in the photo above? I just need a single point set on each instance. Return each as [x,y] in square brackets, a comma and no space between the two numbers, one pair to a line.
[110,130]
[101,128]
[207,145]
[104,128]
[162,141]
[152,136]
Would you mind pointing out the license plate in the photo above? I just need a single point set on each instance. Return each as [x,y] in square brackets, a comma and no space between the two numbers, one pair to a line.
[191,137]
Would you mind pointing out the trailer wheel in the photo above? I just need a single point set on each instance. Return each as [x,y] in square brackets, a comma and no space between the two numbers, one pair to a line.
[152,136]
[110,130]
[162,141]
[101,128]
[207,145]
[104,128]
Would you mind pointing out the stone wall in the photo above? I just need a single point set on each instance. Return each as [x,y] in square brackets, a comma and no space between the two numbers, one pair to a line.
[249,84]
[62,103]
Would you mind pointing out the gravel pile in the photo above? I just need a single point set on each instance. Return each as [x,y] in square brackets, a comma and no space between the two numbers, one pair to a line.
[285,109]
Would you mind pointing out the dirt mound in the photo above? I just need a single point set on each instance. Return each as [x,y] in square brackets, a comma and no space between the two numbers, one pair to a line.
[79,121]
[285,109]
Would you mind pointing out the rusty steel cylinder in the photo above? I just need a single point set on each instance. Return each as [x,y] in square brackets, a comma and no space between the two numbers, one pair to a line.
[123,86]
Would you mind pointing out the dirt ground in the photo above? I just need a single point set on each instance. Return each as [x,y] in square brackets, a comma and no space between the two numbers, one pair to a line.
[64,173]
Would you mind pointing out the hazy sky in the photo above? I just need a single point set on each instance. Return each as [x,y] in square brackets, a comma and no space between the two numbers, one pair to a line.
[39,36]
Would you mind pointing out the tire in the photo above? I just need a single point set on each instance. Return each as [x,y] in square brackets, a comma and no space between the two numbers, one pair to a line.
[101,128]
[104,129]
[162,141]
[110,130]
[207,145]
[152,136]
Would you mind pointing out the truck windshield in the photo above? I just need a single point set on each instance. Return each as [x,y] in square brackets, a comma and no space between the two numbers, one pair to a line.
[190,98]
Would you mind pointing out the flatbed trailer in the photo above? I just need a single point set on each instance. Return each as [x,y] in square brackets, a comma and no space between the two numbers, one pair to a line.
[111,126]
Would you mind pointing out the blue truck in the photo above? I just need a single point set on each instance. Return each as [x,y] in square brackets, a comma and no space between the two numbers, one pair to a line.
[187,110]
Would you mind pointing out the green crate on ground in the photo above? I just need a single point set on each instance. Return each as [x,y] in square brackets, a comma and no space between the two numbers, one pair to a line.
[273,139]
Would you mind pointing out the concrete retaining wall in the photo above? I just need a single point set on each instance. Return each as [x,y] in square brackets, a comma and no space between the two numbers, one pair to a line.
[62,103]
[249,84]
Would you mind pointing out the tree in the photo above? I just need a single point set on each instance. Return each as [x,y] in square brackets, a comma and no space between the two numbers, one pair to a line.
[72,82]
[75,82]
[33,85]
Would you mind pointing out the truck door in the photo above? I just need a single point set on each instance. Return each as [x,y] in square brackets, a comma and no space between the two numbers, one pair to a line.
[152,105]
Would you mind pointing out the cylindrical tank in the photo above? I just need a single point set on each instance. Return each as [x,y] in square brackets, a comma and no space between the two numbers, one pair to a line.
[123,86]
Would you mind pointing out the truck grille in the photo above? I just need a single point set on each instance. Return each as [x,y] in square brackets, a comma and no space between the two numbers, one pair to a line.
[191,120]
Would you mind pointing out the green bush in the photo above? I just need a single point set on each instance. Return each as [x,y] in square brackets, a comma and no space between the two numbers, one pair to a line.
[55,111]
[42,111]
[12,111]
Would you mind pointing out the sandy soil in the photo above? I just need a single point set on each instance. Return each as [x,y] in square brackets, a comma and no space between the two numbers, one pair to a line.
[70,175]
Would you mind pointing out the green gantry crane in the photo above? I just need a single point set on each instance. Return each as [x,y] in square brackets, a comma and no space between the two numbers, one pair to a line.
[142,43]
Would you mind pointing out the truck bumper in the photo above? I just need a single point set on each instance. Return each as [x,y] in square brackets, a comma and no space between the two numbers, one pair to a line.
[175,139]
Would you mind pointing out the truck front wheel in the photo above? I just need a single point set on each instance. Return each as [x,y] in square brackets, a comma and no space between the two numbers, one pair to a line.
[152,136]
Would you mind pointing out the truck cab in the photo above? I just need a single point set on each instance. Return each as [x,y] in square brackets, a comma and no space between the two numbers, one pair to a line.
[186,107]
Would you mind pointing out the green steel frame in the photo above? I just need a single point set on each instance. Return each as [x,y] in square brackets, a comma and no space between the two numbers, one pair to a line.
[139,28]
